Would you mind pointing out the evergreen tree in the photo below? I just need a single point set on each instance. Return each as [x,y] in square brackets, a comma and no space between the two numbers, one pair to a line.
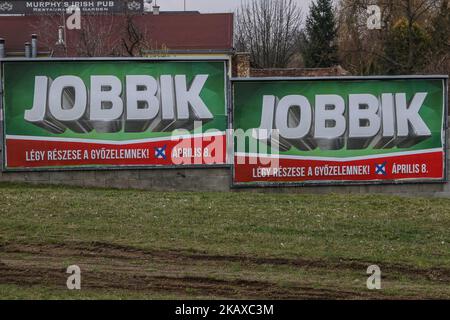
[440,29]
[320,36]
[406,48]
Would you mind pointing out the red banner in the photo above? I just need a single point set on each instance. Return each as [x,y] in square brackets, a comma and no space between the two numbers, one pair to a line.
[24,153]
[396,167]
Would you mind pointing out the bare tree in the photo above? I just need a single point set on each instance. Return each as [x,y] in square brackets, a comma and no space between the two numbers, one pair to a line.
[100,35]
[268,30]
[96,39]
[133,39]
[363,50]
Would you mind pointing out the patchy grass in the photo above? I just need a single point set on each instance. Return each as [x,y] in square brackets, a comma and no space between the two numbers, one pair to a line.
[316,245]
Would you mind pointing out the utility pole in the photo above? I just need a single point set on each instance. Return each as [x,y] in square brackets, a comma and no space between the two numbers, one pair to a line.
[184,5]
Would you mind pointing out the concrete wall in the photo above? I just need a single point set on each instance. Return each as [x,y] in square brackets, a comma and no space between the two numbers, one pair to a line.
[212,179]
[156,179]
[215,179]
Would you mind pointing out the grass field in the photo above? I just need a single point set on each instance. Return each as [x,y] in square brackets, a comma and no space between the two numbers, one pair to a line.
[139,245]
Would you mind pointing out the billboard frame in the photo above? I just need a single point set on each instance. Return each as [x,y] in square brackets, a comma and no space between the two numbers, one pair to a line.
[275,184]
[225,59]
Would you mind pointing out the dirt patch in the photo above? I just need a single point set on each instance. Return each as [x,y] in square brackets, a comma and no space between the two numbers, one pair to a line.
[114,251]
[109,266]
[197,286]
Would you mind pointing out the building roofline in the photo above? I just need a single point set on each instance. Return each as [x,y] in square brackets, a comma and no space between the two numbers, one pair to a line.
[191,51]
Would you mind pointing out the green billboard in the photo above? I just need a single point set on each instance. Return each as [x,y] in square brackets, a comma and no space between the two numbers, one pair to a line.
[101,113]
[296,131]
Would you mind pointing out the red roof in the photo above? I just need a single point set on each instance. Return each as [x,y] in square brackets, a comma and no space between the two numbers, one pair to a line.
[191,31]
[16,31]
[184,31]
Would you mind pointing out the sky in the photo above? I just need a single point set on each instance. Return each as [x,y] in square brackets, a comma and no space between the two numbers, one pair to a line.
[206,6]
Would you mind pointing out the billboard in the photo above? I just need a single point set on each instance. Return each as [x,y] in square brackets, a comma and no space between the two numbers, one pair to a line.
[339,130]
[100,113]
[38,7]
